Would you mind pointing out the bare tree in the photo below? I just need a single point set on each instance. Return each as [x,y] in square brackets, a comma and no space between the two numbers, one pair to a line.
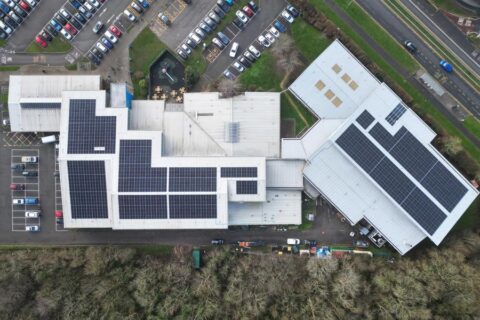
[229,88]
[287,57]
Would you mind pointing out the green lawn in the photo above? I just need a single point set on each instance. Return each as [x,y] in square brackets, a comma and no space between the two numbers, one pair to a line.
[308,40]
[473,125]
[471,218]
[424,106]
[289,111]
[3,42]
[58,45]
[308,206]
[196,61]
[9,68]
[262,75]
[453,7]
[4,98]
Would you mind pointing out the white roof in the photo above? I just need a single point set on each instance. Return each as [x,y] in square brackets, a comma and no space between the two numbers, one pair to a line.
[44,89]
[283,173]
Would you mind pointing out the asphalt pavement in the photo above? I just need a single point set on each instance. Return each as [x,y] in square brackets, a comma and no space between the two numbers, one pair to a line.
[425,56]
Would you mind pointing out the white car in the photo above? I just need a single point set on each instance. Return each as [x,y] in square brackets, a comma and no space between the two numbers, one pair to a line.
[264,41]
[129,15]
[111,37]
[95,3]
[89,7]
[233,50]
[32,228]
[5,28]
[274,31]
[218,43]
[18,201]
[10,3]
[254,51]
[29,159]
[240,15]
[200,33]
[186,48]
[293,241]
[269,37]
[32,214]
[195,38]
[32,3]
[67,35]
[287,16]
[65,14]
[238,66]
[101,47]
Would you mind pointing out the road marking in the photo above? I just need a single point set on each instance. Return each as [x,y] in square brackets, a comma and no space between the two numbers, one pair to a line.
[110,19]
[101,13]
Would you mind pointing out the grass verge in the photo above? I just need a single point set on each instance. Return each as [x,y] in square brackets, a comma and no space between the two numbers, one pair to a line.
[424,106]
[262,75]
[473,125]
[291,108]
[196,61]
[452,7]
[9,68]
[4,98]
[308,40]
[308,206]
[57,45]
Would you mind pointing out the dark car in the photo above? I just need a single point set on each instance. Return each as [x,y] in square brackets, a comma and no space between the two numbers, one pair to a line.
[46,36]
[98,53]
[410,46]
[15,17]
[210,22]
[280,27]
[191,43]
[17,166]
[75,3]
[311,243]
[30,173]
[93,58]
[245,62]
[76,24]
[60,19]
[293,11]
[223,38]
[217,242]
[225,7]
[205,27]
[239,23]
[249,56]
[14,186]
[219,12]
[253,6]
[10,22]
[20,12]
[51,30]
[80,18]
[107,43]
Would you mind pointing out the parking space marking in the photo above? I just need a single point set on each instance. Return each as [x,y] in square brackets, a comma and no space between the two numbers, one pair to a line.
[172,12]
[19,220]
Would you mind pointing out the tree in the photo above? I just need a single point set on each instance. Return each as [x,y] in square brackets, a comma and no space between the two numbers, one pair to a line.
[191,76]
[451,145]
[287,57]
[229,88]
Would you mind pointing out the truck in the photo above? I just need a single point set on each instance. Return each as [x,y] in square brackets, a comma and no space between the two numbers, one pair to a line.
[49,139]
[196,259]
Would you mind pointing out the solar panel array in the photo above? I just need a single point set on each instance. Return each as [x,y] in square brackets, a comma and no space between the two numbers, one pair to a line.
[88,133]
[135,170]
[382,136]
[193,206]
[41,105]
[365,119]
[239,172]
[142,206]
[396,114]
[192,179]
[88,190]
[247,187]
[388,176]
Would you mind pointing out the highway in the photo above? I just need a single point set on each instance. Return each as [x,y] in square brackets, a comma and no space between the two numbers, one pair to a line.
[453,83]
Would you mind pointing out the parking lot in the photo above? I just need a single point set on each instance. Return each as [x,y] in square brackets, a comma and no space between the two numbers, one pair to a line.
[58,193]
[29,188]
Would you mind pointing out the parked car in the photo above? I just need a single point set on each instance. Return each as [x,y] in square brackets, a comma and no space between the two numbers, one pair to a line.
[191,43]
[32,228]
[66,35]
[228,75]
[225,40]
[274,31]
[254,51]
[269,37]
[253,6]
[24,6]
[292,241]
[98,26]
[31,3]
[219,12]
[264,41]
[200,33]
[17,166]
[164,18]
[45,35]
[60,19]
[186,48]
[16,186]
[15,17]
[65,14]
[410,46]
[86,13]
[136,7]
[93,58]
[293,11]
[90,7]
[446,66]
[182,54]
[217,241]
[225,7]
[218,43]
[9,21]
[69,27]
[76,24]
[75,4]
[233,50]
[245,62]
[205,27]
[111,37]
[113,29]
[248,11]
[287,16]
[280,27]
[42,43]
[18,201]
[240,15]
[9,3]
[32,214]
[51,29]
[249,56]
[361,244]
[98,54]
[210,22]
[20,12]
[195,38]
[80,18]
[106,43]
[5,28]
[31,201]
[30,173]
[58,214]
[238,66]
[144,3]
[212,15]
[239,23]
[129,15]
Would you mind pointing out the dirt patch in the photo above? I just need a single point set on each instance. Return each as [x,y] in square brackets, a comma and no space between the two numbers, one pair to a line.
[287,128]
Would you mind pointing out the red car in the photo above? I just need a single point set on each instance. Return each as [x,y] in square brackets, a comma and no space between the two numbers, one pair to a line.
[41,42]
[249,12]
[58,214]
[113,29]
[70,29]
[17,186]
[25,6]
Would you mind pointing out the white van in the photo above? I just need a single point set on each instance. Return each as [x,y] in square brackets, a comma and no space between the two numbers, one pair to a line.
[49,139]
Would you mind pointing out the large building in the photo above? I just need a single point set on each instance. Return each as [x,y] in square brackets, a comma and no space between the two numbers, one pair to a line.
[372,157]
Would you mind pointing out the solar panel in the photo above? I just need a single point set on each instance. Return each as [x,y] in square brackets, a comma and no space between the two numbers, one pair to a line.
[359,148]
[142,206]
[365,119]
[247,187]
[384,138]
[41,105]
[444,186]
[88,133]
[413,156]
[88,190]
[424,211]
[239,172]
[192,179]
[396,114]
[135,171]
[193,206]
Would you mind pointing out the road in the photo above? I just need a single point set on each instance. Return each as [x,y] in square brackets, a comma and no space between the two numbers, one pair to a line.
[465,94]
